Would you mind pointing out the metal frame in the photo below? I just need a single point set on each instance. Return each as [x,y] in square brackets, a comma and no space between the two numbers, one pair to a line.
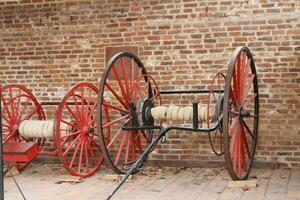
[238,90]
[140,161]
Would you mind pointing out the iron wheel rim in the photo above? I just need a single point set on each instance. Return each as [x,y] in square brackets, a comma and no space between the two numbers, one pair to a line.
[104,114]
[229,97]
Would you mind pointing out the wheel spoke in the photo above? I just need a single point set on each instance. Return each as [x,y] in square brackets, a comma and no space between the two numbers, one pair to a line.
[69,123]
[71,145]
[233,140]
[133,148]
[247,88]
[80,155]
[233,98]
[115,121]
[137,89]
[92,110]
[245,142]
[115,107]
[91,123]
[89,99]
[87,164]
[8,137]
[72,113]
[82,101]
[11,99]
[139,144]
[71,134]
[24,109]
[125,78]
[124,138]
[245,76]
[95,162]
[18,104]
[248,130]
[114,138]
[235,85]
[128,147]
[239,152]
[235,113]
[155,96]
[249,100]
[116,73]
[238,80]
[110,88]
[242,73]
[132,71]
[234,145]
[93,142]
[4,117]
[30,114]
[6,107]
[75,153]
[77,108]
[234,125]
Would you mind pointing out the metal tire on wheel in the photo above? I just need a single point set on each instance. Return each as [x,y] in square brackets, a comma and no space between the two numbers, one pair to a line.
[75,131]
[126,94]
[216,97]
[240,114]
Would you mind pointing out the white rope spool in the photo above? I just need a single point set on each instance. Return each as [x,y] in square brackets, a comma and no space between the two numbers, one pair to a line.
[185,113]
[40,129]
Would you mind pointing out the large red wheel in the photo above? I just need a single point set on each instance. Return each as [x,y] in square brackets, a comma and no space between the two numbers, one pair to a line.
[75,131]
[240,114]
[215,98]
[18,104]
[126,92]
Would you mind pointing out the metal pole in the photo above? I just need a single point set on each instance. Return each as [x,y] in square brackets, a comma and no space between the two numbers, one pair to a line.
[1,160]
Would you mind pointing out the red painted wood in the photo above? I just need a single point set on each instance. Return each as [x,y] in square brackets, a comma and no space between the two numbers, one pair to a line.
[20,152]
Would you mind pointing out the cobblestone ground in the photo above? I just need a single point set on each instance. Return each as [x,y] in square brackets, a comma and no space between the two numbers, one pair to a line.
[40,182]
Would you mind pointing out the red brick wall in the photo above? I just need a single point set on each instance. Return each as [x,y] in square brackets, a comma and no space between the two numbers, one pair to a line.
[49,45]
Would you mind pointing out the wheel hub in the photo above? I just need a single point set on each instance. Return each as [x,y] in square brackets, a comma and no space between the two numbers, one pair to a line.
[85,129]
[147,118]
[243,113]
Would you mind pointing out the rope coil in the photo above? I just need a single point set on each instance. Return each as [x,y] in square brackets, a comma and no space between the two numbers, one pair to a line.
[40,128]
[183,113]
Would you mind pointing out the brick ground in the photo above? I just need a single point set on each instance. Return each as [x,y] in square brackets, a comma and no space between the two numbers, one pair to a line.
[38,183]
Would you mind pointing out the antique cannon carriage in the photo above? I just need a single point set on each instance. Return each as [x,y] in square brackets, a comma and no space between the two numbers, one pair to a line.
[130,114]
[73,129]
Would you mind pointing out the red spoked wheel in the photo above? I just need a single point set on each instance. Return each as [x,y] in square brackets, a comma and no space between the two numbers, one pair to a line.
[215,98]
[19,104]
[240,114]
[127,93]
[75,130]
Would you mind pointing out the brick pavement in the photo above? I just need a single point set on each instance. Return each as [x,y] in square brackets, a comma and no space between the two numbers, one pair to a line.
[39,183]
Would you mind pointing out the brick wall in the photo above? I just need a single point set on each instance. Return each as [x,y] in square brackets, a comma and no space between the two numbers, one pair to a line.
[50,45]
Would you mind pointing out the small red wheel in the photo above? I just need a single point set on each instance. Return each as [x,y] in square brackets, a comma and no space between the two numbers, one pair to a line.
[215,97]
[19,104]
[126,94]
[75,131]
[240,114]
